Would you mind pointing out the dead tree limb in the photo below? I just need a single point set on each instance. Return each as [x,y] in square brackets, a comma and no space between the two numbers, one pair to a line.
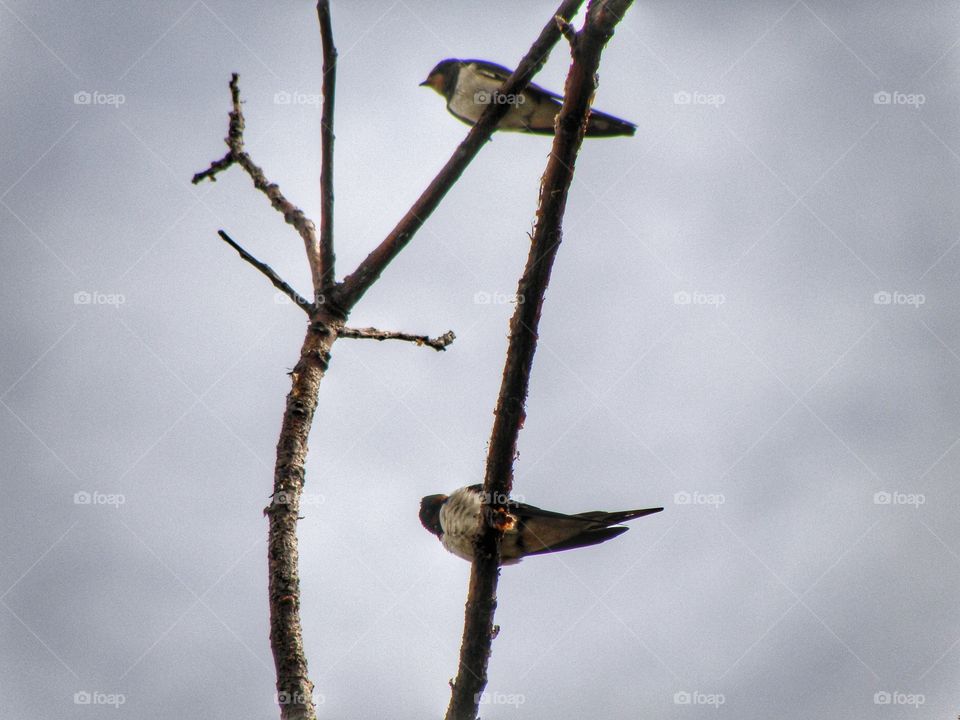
[479,630]
[327,256]
[291,213]
[438,343]
[294,688]
[271,274]
[332,304]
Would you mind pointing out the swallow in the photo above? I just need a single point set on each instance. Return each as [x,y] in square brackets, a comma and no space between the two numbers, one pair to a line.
[470,85]
[528,530]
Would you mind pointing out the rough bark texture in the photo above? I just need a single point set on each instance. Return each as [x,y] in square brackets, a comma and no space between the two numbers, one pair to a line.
[479,630]
[294,689]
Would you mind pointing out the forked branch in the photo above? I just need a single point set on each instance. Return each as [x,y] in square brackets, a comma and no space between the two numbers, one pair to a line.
[291,213]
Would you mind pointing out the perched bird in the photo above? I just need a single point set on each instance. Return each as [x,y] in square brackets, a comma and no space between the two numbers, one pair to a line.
[470,85]
[528,530]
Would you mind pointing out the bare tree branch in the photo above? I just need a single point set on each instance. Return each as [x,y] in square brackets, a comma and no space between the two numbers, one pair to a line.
[358,282]
[271,274]
[368,333]
[479,630]
[327,256]
[291,213]
[328,313]
[217,166]
[294,689]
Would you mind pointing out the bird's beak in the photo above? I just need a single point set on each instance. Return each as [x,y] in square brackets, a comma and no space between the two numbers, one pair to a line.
[425,83]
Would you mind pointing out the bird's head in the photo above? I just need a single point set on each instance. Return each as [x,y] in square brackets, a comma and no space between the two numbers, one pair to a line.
[430,513]
[443,77]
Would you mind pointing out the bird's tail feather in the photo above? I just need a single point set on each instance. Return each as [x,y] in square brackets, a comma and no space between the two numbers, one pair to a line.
[602,125]
[615,518]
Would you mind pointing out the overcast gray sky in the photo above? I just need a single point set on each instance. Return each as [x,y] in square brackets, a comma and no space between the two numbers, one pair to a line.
[752,321]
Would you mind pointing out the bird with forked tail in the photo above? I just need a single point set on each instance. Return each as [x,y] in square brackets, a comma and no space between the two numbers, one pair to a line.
[528,530]
[469,86]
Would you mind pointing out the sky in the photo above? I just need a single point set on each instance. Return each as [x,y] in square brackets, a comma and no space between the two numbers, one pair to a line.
[752,322]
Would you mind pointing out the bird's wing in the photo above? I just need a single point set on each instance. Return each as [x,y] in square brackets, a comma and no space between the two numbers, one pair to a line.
[535,530]
[594,517]
[501,73]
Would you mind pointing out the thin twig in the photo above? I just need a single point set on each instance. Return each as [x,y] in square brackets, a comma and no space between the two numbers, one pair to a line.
[271,274]
[479,630]
[234,138]
[291,213]
[358,282]
[327,255]
[368,333]
[216,166]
